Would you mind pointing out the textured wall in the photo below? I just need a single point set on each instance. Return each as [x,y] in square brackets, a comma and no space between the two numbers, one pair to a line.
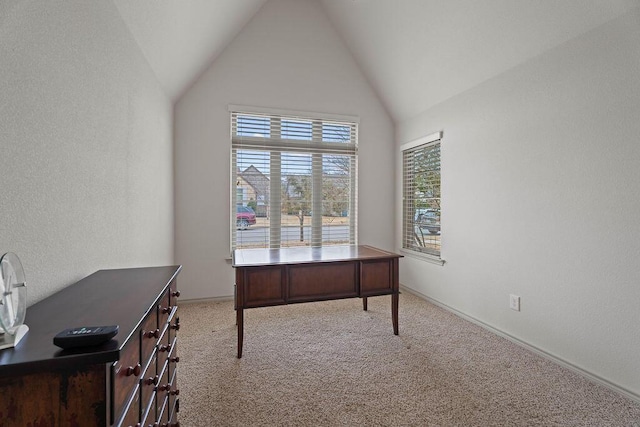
[541,197]
[86,178]
[288,57]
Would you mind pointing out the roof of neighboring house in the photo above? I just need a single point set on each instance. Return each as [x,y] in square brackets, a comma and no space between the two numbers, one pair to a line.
[257,180]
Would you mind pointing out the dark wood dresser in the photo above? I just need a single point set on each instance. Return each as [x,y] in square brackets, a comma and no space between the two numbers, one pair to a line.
[128,381]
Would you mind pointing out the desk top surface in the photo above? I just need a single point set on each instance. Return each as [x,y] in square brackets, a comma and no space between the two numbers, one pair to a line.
[306,254]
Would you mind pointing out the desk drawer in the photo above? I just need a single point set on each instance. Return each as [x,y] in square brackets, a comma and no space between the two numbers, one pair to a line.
[376,277]
[322,281]
[263,286]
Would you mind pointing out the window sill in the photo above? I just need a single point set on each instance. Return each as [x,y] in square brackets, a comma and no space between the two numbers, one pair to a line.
[423,257]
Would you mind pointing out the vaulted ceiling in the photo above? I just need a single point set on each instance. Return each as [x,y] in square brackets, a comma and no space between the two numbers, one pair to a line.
[414,53]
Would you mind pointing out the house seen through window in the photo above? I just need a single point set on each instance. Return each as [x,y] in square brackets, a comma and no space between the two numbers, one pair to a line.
[293,181]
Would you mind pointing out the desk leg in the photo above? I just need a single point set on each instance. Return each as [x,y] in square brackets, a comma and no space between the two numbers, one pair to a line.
[394,311]
[364,303]
[240,323]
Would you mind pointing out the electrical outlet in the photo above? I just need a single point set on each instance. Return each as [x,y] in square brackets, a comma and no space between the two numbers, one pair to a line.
[514,302]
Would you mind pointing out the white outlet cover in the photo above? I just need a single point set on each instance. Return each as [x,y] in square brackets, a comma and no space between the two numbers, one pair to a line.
[514,302]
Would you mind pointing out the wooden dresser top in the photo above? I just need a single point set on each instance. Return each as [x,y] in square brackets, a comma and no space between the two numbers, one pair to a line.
[107,297]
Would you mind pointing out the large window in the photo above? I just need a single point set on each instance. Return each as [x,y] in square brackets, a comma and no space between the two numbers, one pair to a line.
[293,180]
[421,195]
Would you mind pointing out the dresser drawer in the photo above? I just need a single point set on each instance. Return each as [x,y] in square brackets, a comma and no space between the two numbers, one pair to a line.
[149,414]
[164,349]
[164,386]
[163,410]
[174,358]
[148,384]
[174,293]
[172,327]
[149,335]
[132,415]
[167,304]
[174,394]
[125,375]
[168,406]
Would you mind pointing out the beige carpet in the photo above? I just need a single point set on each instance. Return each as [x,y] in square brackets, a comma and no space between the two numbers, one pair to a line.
[333,364]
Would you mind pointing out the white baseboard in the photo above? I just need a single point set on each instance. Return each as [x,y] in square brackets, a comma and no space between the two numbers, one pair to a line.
[588,375]
[212,299]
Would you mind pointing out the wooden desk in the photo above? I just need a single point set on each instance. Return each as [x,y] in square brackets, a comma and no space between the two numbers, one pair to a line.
[266,277]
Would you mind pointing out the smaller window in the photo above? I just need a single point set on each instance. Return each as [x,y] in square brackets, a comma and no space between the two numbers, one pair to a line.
[421,195]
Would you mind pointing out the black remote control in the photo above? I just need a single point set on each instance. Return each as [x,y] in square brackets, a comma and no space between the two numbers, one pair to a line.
[85,336]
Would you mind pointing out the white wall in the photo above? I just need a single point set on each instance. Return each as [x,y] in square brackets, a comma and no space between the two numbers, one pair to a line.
[541,184]
[86,173]
[287,57]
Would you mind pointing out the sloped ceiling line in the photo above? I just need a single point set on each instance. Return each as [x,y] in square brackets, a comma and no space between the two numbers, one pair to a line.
[414,53]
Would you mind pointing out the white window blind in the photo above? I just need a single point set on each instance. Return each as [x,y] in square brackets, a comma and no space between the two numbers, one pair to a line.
[298,174]
[421,195]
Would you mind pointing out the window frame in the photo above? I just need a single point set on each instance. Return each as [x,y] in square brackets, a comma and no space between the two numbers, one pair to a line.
[284,139]
[407,218]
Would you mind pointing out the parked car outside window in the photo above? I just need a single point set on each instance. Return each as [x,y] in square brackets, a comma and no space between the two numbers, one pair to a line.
[245,216]
[428,219]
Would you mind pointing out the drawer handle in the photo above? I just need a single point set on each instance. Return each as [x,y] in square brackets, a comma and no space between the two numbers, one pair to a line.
[152,334]
[151,380]
[133,370]
[176,326]
[175,294]
[166,310]
[174,392]
[164,387]
[164,348]
[174,359]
